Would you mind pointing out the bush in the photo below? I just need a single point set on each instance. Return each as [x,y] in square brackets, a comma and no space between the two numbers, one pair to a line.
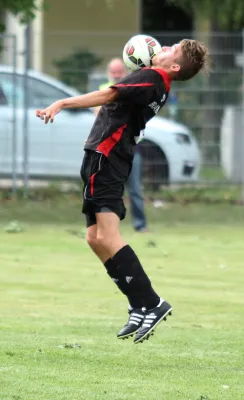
[74,69]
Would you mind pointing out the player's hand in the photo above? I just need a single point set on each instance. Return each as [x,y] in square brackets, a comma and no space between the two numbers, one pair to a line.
[49,113]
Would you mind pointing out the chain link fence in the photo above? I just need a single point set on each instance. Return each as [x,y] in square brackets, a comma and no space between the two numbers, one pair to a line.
[200,139]
[8,110]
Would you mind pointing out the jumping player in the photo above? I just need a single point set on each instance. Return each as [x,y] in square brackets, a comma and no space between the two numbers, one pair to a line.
[127,106]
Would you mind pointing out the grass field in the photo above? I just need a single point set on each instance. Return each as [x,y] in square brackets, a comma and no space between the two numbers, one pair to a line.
[60,312]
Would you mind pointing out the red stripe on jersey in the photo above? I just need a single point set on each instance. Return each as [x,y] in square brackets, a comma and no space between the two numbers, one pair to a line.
[164,75]
[92,179]
[133,84]
[106,146]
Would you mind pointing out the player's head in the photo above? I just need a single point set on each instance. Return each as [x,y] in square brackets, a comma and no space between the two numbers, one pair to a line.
[183,60]
[116,70]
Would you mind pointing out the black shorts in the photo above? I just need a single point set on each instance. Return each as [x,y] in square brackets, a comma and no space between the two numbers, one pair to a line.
[103,187]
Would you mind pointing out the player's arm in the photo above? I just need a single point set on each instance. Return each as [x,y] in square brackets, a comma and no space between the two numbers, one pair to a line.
[93,99]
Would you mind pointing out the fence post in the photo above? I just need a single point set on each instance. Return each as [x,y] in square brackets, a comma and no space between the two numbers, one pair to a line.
[26,107]
[14,133]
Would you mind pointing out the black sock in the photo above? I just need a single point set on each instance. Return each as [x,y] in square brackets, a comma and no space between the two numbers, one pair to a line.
[123,286]
[131,269]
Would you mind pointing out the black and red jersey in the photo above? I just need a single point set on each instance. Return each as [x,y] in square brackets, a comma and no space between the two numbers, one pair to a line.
[118,125]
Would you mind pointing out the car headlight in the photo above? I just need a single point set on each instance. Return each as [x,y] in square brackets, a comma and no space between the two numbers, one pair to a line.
[182,138]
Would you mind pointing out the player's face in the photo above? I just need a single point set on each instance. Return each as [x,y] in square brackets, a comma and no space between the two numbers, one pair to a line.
[167,57]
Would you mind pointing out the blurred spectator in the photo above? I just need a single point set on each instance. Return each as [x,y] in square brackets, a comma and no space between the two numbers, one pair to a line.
[116,70]
[173,105]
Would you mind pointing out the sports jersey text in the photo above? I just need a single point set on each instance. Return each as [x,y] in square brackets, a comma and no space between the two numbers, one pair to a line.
[155,107]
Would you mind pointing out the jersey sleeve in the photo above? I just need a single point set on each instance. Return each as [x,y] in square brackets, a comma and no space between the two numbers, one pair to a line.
[139,87]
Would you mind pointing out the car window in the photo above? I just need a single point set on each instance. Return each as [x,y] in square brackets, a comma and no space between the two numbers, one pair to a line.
[41,94]
[6,84]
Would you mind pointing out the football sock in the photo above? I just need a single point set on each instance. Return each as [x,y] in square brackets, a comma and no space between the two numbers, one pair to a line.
[123,285]
[130,268]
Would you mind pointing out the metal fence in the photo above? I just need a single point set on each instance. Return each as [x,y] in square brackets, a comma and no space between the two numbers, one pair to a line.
[210,107]
[8,111]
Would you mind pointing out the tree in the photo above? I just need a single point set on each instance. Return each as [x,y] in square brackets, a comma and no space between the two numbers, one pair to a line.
[25,9]
[215,16]
[226,14]
[74,69]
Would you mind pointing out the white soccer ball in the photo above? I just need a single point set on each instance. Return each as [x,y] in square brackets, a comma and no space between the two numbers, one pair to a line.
[139,51]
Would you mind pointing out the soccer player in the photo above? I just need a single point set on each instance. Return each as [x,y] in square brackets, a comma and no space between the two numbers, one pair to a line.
[116,71]
[127,106]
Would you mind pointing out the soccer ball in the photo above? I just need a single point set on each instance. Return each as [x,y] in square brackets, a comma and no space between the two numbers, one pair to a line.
[139,51]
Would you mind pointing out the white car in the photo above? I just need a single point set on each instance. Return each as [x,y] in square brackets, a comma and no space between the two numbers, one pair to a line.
[170,152]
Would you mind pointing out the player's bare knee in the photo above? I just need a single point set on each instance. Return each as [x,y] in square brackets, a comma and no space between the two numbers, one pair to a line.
[92,241]
[104,240]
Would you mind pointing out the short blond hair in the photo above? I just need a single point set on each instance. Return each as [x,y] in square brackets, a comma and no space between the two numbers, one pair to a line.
[195,57]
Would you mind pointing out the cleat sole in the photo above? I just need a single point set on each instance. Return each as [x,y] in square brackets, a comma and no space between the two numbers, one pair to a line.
[150,332]
[127,336]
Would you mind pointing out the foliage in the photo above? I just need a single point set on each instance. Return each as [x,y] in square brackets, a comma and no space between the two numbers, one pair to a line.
[25,9]
[74,69]
[208,194]
[227,13]
[220,15]
[203,195]
[2,26]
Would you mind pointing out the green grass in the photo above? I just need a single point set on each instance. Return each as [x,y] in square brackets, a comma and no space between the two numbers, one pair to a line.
[54,294]
[213,173]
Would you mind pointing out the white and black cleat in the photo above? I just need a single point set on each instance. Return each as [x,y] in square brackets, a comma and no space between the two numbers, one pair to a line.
[136,317]
[152,318]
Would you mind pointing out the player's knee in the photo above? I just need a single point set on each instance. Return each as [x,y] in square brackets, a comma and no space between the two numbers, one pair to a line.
[103,240]
[92,241]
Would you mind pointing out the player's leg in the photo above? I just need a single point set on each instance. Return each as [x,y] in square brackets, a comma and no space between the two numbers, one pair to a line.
[91,238]
[135,305]
[128,267]
[92,163]
[128,264]
[106,189]
[135,308]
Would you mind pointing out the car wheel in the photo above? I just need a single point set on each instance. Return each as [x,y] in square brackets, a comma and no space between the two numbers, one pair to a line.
[155,166]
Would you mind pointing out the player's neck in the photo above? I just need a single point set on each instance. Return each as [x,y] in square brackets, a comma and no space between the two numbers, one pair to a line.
[167,70]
